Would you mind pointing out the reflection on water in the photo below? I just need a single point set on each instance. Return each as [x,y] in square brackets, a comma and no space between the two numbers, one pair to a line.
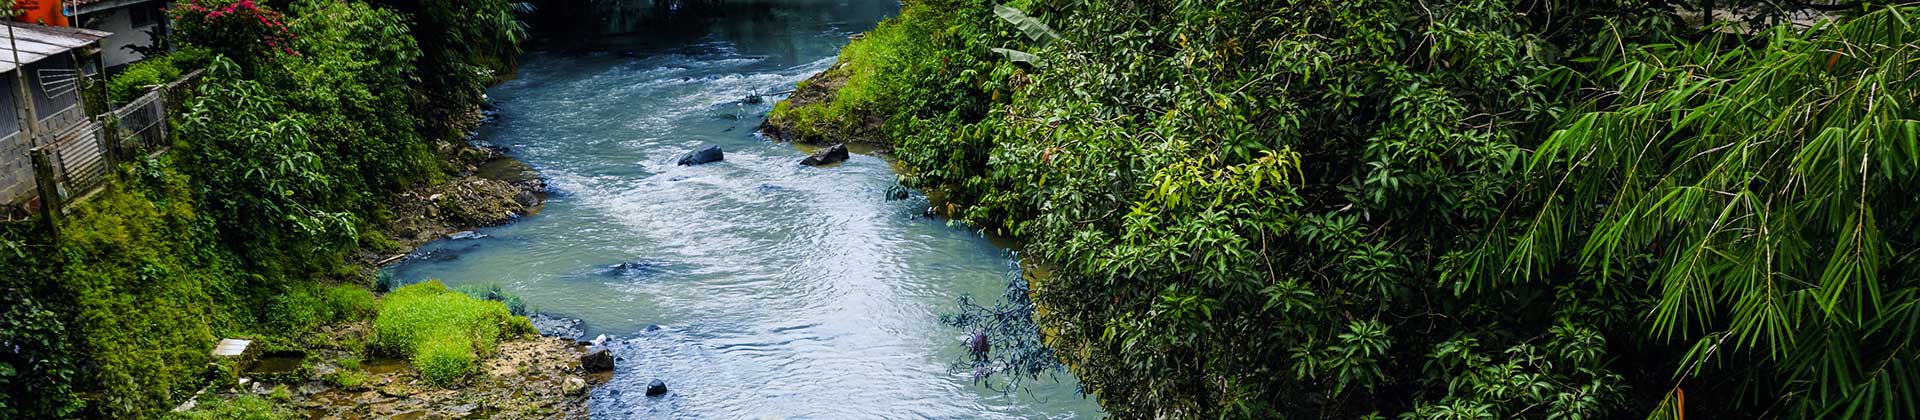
[779,290]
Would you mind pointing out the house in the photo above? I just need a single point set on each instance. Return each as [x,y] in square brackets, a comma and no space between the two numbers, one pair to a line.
[133,23]
[46,64]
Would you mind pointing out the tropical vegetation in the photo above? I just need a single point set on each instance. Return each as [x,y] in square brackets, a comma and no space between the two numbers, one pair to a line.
[304,120]
[1445,209]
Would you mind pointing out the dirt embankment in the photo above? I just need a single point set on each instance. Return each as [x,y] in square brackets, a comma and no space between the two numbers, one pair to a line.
[808,115]
[488,189]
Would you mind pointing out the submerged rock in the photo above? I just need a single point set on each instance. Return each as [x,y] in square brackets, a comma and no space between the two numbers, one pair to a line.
[598,359]
[704,155]
[554,326]
[835,154]
[656,388]
[628,269]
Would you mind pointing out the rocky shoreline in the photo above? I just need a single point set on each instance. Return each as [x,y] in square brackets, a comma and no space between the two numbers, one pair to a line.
[538,376]
[490,189]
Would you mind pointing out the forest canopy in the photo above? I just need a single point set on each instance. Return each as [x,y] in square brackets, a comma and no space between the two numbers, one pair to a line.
[1439,209]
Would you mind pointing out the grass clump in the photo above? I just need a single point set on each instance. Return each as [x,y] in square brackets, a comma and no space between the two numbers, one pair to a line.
[305,308]
[442,331]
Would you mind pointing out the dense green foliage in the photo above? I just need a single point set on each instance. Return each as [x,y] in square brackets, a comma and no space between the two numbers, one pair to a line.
[141,76]
[466,45]
[242,229]
[1454,209]
[155,71]
[294,153]
[442,331]
[37,377]
[1764,193]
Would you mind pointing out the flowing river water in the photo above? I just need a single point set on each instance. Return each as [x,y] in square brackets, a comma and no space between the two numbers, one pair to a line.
[778,290]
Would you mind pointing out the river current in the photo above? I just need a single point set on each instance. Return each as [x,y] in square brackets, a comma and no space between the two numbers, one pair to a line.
[754,287]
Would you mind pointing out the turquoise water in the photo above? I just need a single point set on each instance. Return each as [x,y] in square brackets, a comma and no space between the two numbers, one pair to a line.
[780,291]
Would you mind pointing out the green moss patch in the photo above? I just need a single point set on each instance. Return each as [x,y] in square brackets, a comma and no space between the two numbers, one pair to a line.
[443,332]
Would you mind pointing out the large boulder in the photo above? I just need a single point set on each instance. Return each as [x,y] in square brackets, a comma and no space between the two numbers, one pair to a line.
[707,154]
[835,154]
[598,359]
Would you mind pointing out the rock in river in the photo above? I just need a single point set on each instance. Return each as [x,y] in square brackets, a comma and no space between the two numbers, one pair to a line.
[835,154]
[707,154]
[656,388]
[597,359]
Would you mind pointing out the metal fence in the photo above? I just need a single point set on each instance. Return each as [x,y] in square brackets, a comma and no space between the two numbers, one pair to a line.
[79,159]
[142,123]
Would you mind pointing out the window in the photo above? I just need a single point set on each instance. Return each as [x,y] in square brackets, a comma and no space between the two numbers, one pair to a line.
[145,14]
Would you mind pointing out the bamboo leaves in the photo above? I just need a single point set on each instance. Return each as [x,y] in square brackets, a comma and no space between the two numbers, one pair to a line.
[1755,181]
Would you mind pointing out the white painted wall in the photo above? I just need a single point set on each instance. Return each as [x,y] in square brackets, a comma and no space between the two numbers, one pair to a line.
[119,21]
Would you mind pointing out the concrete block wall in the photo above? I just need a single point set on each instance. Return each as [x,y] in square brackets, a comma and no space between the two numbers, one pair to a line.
[16,171]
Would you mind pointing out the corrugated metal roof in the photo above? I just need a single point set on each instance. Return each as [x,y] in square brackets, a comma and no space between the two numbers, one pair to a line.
[36,42]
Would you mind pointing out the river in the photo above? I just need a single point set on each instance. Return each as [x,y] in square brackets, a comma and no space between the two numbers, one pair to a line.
[778,290]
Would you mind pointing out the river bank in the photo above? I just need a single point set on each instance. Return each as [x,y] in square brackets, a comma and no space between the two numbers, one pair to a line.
[339,376]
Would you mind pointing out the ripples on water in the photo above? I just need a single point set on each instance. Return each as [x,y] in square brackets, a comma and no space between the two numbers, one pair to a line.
[781,290]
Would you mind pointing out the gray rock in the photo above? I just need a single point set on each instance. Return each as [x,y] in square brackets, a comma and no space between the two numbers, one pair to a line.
[574,386]
[466,234]
[707,154]
[462,410]
[554,326]
[656,388]
[598,359]
[835,154]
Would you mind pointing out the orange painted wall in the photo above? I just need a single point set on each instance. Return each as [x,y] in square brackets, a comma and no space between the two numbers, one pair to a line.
[46,12]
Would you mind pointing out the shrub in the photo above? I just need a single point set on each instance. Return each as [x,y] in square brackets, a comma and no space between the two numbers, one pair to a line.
[246,32]
[140,77]
[262,173]
[306,307]
[191,57]
[442,331]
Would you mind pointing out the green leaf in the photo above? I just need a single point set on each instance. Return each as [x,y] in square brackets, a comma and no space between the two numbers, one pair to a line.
[1036,30]
[1018,56]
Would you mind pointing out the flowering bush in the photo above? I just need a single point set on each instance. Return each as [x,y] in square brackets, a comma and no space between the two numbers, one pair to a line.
[247,32]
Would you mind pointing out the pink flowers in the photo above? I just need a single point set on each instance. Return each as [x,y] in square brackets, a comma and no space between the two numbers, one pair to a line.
[235,26]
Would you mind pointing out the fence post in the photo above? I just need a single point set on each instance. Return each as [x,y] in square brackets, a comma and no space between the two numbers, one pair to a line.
[49,192]
[110,139]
